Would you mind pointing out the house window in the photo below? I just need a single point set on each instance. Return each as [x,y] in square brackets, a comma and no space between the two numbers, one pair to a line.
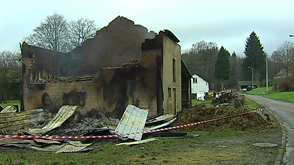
[195,80]
[174,70]
[169,93]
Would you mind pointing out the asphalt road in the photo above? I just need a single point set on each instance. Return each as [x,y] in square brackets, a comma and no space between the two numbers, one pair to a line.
[284,111]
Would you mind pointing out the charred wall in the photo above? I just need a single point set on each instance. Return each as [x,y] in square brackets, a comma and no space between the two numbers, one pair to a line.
[105,74]
[113,45]
[46,63]
[123,64]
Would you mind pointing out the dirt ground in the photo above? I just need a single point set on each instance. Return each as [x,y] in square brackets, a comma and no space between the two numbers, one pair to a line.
[252,121]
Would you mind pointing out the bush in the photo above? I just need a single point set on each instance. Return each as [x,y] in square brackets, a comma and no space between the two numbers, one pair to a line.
[285,84]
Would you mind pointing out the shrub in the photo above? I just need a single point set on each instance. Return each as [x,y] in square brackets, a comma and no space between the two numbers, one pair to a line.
[285,84]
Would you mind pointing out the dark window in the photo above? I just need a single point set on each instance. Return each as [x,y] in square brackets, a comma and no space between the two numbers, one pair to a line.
[169,93]
[194,80]
[174,70]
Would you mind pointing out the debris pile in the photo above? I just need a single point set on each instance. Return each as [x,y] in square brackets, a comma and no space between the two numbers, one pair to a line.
[227,97]
[203,113]
[223,97]
[134,120]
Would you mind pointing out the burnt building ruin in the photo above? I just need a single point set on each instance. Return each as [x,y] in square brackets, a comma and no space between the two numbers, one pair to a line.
[123,64]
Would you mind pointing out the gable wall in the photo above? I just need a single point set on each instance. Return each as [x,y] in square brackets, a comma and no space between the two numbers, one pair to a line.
[172,102]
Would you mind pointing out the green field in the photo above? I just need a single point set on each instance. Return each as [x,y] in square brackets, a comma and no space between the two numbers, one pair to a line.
[10,102]
[285,96]
[259,91]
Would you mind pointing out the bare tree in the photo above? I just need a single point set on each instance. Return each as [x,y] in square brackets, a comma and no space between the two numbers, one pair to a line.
[284,56]
[51,34]
[200,59]
[58,35]
[10,75]
[81,30]
[9,59]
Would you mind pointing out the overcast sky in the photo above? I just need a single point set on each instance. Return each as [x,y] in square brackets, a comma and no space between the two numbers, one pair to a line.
[226,22]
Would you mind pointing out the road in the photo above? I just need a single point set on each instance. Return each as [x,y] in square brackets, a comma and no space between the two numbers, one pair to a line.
[284,111]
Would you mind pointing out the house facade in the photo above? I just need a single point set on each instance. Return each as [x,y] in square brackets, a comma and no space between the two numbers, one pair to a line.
[199,84]
[123,64]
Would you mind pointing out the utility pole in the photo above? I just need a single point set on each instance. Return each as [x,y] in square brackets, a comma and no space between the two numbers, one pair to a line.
[266,73]
[251,76]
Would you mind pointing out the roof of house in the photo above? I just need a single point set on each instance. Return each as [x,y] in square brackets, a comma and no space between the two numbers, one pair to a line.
[243,83]
[199,77]
[185,69]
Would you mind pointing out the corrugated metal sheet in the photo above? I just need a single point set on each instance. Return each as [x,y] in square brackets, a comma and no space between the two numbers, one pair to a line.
[132,121]
[47,141]
[9,109]
[161,118]
[160,125]
[49,148]
[74,146]
[63,114]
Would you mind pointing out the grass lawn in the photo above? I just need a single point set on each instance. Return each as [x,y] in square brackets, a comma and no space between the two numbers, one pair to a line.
[10,102]
[259,91]
[201,150]
[285,96]
[207,102]
[251,105]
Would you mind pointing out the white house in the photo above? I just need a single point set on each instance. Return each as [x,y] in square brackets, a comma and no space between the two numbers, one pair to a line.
[199,85]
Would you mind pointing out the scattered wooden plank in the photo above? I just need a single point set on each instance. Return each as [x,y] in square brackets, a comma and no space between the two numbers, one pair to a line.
[137,142]
[12,121]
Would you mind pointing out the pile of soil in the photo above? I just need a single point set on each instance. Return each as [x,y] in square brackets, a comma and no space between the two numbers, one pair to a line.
[252,121]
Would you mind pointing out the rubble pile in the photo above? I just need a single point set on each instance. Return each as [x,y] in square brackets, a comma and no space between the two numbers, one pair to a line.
[227,97]
[202,113]
[85,127]
[71,127]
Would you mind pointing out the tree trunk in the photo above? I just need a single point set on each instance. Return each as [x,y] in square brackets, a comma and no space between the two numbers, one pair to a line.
[222,84]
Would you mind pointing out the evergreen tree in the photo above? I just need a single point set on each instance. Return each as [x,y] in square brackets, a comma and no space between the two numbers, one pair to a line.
[233,83]
[255,58]
[222,66]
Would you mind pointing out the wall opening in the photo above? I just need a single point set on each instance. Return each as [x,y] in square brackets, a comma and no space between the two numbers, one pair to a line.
[174,70]
[169,93]
[175,100]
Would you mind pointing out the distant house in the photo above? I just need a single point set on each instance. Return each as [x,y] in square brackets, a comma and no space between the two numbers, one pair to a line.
[198,84]
[283,74]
